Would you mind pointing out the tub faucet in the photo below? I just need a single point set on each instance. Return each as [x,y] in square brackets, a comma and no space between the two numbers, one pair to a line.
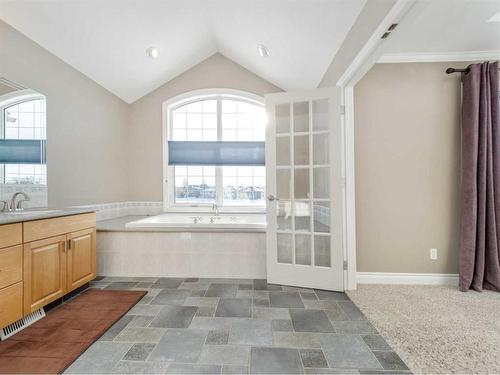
[18,206]
[215,209]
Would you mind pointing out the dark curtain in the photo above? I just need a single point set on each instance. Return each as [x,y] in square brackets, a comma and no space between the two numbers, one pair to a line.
[479,264]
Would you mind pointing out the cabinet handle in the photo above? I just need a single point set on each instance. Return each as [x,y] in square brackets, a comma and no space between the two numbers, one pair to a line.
[69,244]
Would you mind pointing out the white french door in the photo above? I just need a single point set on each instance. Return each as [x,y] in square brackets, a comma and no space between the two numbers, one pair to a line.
[304,187]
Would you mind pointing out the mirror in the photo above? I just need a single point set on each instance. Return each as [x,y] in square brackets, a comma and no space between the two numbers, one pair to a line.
[23,140]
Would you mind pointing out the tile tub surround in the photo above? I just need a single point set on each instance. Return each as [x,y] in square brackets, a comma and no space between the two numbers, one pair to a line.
[181,254]
[107,211]
[168,335]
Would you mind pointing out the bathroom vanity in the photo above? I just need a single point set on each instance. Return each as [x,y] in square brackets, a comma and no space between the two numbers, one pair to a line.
[43,256]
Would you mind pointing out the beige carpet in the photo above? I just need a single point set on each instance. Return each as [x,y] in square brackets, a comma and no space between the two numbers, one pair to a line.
[436,329]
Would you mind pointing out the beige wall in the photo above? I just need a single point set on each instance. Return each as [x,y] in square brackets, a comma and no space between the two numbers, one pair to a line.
[407,144]
[87,132]
[145,137]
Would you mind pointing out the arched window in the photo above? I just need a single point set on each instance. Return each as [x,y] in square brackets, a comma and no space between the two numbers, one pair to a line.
[22,117]
[216,116]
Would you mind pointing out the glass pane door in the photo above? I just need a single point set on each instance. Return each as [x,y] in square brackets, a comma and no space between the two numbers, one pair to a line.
[299,206]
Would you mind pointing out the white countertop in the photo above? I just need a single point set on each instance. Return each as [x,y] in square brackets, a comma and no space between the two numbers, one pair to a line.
[38,214]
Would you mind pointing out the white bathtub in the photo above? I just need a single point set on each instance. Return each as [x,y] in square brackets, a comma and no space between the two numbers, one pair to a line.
[202,221]
[173,245]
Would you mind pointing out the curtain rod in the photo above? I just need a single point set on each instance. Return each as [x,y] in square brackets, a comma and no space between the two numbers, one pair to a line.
[455,70]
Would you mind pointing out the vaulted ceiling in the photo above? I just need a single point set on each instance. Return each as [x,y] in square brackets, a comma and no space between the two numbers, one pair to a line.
[107,39]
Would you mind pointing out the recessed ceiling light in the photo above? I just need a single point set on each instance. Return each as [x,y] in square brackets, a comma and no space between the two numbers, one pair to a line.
[495,18]
[263,51]
[153,52]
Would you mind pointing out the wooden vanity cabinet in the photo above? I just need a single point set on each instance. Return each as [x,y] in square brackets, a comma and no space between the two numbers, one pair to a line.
[59,264]
[42,260]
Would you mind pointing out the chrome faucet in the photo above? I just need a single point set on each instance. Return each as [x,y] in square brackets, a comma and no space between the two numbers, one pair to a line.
[18,206]
[215,209]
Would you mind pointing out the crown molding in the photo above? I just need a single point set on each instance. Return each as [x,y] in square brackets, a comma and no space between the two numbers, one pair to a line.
[439,56]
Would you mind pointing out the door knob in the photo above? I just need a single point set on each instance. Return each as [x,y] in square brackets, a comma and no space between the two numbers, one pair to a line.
[271,198]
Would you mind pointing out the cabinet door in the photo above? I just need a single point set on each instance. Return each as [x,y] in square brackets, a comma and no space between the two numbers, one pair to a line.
[81,258]
[44,272]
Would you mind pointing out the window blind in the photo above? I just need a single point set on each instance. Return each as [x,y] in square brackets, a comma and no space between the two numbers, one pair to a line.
[23,151]
[216,153]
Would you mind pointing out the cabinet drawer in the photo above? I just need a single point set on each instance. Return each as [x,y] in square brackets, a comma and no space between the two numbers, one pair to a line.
[11,265]
[11,304]
[11,234]
[45,228]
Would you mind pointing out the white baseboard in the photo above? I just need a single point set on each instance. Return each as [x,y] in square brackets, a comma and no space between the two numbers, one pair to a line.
[407,278]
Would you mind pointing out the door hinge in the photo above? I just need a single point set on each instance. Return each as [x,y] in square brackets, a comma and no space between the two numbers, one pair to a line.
[345,265]
[342,109]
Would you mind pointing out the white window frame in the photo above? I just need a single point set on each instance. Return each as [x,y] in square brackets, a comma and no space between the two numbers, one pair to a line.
[8,100]
[169,204]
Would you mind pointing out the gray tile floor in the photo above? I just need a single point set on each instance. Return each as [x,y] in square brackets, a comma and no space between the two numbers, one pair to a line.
[228,326]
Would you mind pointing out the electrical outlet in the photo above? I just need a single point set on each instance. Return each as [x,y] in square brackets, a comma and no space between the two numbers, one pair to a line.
[434,254]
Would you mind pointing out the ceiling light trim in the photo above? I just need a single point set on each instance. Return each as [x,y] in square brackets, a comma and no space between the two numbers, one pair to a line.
[153,52]
[263,51]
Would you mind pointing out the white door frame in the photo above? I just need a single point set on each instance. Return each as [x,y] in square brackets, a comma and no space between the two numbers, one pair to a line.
[361,64]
